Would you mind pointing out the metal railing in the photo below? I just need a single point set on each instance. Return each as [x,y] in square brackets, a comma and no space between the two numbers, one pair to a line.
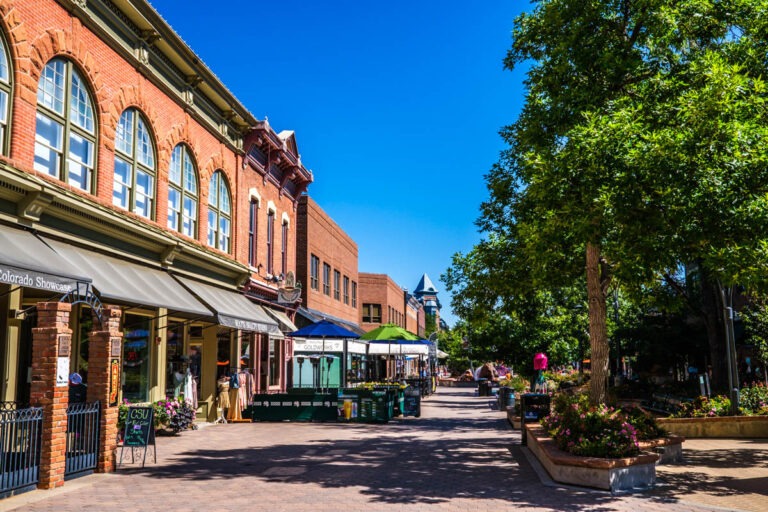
[82,439]
[20,440]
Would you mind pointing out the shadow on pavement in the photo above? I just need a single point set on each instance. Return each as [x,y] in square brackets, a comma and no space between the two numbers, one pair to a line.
[394,467]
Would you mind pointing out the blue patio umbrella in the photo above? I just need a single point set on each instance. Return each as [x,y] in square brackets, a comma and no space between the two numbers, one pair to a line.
[323,329]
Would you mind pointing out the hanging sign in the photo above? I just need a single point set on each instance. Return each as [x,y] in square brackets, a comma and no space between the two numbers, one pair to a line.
[114,381]
[62,371]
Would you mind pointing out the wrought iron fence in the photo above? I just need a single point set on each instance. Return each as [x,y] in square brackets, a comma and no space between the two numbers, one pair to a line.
[82,438]
[20,440]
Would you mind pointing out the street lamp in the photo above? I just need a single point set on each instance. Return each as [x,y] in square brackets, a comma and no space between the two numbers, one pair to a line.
[730,346]
[300,360]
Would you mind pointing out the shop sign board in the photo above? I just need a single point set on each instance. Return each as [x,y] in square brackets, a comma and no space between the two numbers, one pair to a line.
[139,431]
[62,372]
[114,381]
[319,346]
[30,279]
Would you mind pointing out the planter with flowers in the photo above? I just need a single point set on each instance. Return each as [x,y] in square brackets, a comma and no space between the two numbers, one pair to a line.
[599,447]
[171,416]
[711,417]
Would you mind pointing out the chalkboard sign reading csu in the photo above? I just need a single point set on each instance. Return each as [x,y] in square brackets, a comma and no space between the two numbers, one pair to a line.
[139,426]
[139,432]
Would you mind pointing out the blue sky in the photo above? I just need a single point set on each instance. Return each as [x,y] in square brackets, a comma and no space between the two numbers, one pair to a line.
[396,108]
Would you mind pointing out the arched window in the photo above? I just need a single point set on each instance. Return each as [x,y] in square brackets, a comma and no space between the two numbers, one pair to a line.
[65,135]
[134,185]
[182,192]
[219,213]
[5,95]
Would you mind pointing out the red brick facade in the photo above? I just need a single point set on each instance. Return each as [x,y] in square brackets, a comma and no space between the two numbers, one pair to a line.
[39,31]
[381,290]
[132,60]
[52,339]
[320,236]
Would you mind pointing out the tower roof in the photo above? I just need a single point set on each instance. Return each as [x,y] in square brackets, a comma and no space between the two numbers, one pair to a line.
[425,286]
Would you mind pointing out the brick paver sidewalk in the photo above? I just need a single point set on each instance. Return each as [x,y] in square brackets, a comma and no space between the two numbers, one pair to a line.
[459,455]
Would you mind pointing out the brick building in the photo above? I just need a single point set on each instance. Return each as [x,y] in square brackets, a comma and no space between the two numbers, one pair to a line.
[147,219]
[326,265]
[382,301]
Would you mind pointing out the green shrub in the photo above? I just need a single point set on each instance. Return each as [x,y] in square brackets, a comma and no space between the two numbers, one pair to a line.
[703,407]
[516,382]
[753,400]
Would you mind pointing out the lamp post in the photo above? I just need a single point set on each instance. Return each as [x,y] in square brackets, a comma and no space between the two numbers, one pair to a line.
[315,360]
[730,347]
[300,360]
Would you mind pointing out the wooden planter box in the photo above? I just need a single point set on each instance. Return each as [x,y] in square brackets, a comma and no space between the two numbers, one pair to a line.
[630,473]
[718,426]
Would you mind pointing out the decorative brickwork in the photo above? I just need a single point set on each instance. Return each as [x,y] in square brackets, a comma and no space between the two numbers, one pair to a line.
[51,331]
[104,347]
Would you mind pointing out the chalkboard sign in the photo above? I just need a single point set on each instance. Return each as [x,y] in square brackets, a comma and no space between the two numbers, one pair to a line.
[139,426]
[412,403]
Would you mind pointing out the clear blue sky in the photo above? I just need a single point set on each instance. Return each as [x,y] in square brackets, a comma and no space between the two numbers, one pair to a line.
[396,108]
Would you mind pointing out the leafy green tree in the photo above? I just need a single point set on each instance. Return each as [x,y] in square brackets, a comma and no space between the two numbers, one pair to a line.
[641,144]
[755,317]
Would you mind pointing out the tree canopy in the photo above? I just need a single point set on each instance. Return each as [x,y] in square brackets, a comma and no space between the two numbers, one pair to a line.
[643,143]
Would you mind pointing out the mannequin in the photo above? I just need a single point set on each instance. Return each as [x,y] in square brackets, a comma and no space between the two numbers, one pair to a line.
[222,386]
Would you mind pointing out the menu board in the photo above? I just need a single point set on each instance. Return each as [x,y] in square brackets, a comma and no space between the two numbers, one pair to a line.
[139,426]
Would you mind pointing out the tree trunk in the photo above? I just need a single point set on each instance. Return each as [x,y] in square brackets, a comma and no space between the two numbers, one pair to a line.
[598,339]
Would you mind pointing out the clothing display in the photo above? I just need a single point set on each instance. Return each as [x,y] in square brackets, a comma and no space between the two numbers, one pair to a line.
[240,397]
[190,389]
[234,413]
[223,392]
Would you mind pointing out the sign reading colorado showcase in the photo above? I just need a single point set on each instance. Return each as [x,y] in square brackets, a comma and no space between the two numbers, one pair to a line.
[31,279]
[139,426]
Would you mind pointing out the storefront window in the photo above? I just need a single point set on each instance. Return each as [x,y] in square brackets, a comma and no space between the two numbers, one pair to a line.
[274,361]
[195,363]
[175,365]
[136,331]
[225,364]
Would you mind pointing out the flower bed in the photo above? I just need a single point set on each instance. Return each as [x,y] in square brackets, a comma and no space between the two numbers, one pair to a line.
[619,474]
[710,417]
[718,426]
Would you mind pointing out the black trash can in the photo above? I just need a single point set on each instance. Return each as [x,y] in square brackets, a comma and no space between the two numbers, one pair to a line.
[483,387]
[506,397]
[533,407]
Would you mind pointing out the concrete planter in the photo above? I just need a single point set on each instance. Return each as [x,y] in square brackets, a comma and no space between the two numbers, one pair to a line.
[718,426]
[670,449]
[453,383]
[630,473]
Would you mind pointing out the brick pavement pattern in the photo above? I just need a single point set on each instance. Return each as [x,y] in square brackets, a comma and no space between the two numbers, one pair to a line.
[460,455]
